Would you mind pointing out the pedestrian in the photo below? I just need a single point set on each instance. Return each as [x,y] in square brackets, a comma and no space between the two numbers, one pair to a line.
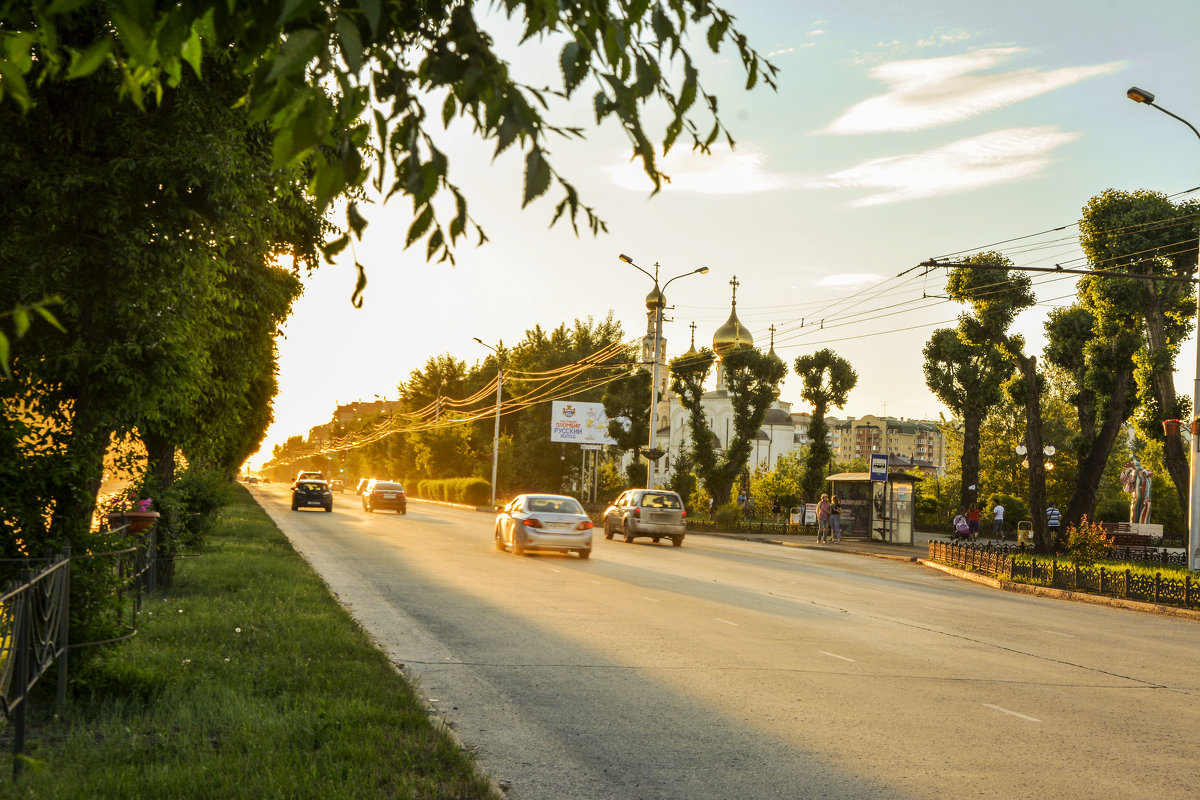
[823,519]
[710,508]
[961,529]
[835,518]
[749,506]
[775,509]
[1053,520]
[998,521]
[973,521]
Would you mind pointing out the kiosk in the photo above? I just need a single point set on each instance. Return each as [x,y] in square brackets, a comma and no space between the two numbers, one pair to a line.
[879,510]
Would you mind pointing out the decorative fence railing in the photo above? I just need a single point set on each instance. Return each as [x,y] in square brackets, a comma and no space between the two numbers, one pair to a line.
[35,611]
[1005,561]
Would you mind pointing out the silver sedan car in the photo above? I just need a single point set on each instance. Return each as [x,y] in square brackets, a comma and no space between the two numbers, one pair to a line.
[544,522]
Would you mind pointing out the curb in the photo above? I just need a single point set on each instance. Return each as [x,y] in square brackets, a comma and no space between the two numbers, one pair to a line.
[1064,594]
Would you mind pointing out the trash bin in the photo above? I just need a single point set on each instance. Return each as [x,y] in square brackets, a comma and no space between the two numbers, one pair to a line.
[796,517]
[1025,532]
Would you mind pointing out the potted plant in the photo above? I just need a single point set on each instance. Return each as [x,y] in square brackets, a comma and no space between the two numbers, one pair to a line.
[127,509]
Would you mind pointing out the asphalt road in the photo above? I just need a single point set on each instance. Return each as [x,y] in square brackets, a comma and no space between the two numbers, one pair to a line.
[728,669]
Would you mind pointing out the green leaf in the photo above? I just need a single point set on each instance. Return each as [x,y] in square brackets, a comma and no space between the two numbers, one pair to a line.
[360,286]
[357,221]
[420,226]
[373,9]
[449,108]
[716,33]
[20,321]
[4,355]
[331,249]
[193,50]
[350,43]
[574,62]
[301,47]
[537,176]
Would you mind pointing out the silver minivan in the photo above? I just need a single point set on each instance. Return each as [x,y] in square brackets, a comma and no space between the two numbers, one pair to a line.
[654,513]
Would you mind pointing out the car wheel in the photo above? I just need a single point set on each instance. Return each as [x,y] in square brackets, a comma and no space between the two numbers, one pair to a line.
[677,541]
[403,511]
[499,539]
[608,531]
[517,548]
[295,507]
[584,553]
[367,508]
[628,533]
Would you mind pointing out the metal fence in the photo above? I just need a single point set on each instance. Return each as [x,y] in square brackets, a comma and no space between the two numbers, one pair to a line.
[1005,561]
[35,612]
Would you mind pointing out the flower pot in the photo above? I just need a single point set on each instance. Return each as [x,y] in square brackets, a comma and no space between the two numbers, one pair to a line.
[138,521]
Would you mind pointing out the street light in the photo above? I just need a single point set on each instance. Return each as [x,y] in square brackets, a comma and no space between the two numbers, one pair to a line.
[496,433]
[1193,551]
[659,301]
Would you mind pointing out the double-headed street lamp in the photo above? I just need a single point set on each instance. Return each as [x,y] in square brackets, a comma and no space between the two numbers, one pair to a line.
[496,434]
[656,300]
[1193,550]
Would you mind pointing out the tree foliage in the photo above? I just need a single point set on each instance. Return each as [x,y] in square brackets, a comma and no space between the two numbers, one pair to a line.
[827,381]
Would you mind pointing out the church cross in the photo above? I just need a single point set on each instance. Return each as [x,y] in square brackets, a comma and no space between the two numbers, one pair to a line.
[735,283]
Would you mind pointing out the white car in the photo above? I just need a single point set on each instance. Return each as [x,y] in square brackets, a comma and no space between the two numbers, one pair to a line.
[544,522]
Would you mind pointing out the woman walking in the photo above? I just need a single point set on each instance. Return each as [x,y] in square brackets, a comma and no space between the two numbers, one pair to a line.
[823,519]
[835,518]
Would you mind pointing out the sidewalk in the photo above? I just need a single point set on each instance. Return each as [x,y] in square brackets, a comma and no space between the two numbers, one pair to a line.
[917,551]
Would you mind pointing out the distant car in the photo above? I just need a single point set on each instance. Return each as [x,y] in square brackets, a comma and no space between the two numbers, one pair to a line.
[252,479]
[544,522]
[654,513]
[362,486]
[308,476]
[381,495]
[310,493]
[337,485]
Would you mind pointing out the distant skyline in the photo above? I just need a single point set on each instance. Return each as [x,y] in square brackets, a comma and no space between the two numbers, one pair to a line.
[899,132]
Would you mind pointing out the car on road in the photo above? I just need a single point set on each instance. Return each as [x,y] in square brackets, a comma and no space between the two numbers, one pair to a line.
[337,485]
[310,493]
[308,476]
[380,495]
[654,513]
[531,522]
[362,485]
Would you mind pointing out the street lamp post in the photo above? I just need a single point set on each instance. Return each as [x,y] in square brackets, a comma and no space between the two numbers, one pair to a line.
[1193,549]
[660,301]
[496,433]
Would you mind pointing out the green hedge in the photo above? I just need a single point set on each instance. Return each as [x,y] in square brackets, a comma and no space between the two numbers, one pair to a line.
[469,491]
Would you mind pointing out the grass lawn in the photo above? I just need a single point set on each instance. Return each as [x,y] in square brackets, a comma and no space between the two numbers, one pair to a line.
[246,680]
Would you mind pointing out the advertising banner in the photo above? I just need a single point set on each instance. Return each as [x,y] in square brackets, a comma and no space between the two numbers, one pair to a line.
[578,423]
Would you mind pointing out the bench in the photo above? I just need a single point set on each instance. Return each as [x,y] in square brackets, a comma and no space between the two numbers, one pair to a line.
[1130,541]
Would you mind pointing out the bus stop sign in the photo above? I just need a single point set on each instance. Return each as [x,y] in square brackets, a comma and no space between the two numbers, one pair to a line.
[879,467]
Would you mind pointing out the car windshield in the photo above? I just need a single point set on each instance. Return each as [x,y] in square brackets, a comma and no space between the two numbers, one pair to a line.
[554,505]
[385,486]
[311,486]
[659,500]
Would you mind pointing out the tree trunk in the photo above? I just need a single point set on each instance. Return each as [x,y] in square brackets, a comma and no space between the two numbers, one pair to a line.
[1033,441]
[1094,458]
[1174,455]
[970,460]
[160,452]
[75,501]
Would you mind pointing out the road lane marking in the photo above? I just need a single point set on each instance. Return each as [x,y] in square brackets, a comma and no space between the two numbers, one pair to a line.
[1012,713]
[727,622]
[1058,633]
[651,599]
[835,655]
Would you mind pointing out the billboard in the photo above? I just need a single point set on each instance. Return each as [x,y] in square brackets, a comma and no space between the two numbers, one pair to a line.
[578,423]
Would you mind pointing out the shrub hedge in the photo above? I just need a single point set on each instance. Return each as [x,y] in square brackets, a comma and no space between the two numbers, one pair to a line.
[469,491]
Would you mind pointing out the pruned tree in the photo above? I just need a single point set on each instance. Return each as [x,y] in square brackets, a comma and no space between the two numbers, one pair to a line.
[827,380]
[753,379]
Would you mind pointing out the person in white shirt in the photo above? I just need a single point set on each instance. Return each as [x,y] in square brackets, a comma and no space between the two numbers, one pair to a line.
[998,521]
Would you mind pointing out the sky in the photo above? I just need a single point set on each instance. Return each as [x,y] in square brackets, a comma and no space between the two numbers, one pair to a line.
[900,131]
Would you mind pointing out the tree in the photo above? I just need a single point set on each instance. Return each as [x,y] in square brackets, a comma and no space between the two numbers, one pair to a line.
[1145,234]
[389,63]
[753,380]
[828,379]
[626,404]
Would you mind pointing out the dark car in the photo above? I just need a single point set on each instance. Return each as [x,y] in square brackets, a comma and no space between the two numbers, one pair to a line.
[310,493]
[381,495]
[656,513]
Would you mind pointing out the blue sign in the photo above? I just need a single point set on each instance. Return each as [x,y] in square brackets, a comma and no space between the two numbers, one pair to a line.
[879,466]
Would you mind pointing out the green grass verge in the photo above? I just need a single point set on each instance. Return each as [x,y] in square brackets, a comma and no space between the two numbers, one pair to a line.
[246,680]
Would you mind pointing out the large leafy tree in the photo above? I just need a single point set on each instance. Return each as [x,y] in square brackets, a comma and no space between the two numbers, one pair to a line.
[627,406]
[1145,234]
[753,379]
[827,380]
[397,68]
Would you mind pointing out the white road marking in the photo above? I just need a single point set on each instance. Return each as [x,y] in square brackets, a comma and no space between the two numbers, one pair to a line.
[835,655]
[727,622]
[1057,633]
[1012,713]
[651,599]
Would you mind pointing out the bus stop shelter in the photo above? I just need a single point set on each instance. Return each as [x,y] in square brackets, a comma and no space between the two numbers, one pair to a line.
[880,511]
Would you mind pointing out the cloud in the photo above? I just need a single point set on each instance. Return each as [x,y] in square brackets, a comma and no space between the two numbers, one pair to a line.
[927,92]
[993,158]
[725,171]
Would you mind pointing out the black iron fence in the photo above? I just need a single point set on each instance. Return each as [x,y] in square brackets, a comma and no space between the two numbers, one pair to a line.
[1020,564]
[35,611]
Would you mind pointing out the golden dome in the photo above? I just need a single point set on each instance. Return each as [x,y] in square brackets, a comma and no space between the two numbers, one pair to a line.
[733,334]
[655,299]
